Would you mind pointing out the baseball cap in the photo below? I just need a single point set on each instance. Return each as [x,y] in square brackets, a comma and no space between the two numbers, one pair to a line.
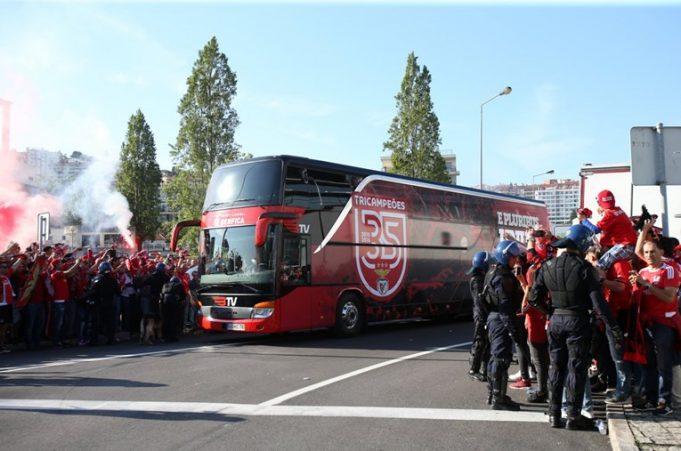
[606,199]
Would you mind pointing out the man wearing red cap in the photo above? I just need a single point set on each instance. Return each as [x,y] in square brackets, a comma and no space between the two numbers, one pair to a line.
[618,236]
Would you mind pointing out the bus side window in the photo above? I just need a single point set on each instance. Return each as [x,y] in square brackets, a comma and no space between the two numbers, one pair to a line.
[295,264]
[299,191]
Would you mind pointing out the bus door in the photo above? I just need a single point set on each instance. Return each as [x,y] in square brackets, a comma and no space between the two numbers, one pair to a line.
[296,300]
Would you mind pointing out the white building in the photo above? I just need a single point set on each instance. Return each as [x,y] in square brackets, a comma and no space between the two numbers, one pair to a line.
[48,171]
[560,196]
[617,178]
[448,155]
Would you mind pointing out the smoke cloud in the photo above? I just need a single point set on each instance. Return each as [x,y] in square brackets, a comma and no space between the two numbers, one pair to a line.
[93,199]
[19,210]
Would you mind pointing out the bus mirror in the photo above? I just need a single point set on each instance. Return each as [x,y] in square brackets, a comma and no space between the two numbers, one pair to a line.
[178,228]
[289,221]
[261,231]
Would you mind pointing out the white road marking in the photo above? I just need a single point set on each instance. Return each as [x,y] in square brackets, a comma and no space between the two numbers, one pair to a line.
[333,380]
[260,410]
[205,348]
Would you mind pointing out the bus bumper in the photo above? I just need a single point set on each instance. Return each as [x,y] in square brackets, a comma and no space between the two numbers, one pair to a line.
[258,326]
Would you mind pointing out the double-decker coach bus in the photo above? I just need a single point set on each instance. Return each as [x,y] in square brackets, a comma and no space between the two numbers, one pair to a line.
[289,243]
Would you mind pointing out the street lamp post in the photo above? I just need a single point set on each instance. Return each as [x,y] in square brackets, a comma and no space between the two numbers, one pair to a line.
[507,90]
[543,173]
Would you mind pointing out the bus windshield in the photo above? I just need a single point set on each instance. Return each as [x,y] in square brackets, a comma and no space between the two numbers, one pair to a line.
[231,257]
[242,185]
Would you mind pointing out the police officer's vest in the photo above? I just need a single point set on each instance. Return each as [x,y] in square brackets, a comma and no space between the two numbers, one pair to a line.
[490,295]
[565,277]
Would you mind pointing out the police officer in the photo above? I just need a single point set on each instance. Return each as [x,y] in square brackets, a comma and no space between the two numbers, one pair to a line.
[503,296]
[480,349]
[575,290]
[172,301]
[102,294]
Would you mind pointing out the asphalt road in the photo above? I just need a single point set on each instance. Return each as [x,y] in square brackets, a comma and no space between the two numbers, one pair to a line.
[387,389]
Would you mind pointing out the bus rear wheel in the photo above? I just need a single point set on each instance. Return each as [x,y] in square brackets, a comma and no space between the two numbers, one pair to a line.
[349,316]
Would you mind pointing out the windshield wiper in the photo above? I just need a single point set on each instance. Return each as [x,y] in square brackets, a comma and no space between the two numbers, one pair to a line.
[229,203]
[243,285]
[226,285]
[208,287]
[216,205]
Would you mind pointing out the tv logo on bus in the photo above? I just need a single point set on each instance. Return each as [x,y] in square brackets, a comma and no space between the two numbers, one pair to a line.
[380,267]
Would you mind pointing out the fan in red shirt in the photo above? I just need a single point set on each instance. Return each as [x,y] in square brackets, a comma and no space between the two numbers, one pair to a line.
[677,255]
[539,250]
[61,295]
[6,299]
[659,315]
[617,232]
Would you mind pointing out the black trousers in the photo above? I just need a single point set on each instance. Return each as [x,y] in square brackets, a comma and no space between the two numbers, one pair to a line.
[170,312]
[480,348]
[504,330]
[103,320]
[569,350]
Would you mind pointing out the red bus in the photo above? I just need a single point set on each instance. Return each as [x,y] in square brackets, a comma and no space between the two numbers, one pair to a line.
[289,243]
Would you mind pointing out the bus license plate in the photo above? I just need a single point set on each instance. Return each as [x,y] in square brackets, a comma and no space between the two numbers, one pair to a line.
[235,326]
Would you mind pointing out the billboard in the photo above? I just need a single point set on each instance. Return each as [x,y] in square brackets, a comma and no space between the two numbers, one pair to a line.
[656,155]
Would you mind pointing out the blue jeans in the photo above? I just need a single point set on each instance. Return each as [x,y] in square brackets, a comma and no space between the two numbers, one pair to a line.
[82,322]
[57,322]
[657,375]
[35,321]
[623,368]
[615,253]
[587,400]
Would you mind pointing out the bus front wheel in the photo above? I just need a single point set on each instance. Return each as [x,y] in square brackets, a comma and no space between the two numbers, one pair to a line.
[349,316]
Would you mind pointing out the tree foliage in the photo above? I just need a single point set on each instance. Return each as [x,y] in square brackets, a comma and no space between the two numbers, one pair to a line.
[139,177]
[414,134]
[206,136]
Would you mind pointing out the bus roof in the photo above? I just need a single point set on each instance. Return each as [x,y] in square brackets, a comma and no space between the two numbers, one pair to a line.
[344,169]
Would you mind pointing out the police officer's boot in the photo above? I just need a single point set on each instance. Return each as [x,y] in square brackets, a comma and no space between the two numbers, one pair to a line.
[500,401]
[555,420]
[474,372]
[580,423]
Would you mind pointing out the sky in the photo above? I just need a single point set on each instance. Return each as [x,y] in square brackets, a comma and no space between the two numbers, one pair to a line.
[319,79]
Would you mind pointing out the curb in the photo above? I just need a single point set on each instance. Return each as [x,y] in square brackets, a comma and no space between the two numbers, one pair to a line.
[621,437]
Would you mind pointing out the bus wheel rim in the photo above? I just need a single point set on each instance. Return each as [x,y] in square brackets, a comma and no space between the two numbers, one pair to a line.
[350,314]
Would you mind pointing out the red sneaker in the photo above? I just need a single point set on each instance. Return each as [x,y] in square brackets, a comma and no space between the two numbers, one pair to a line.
[521,383]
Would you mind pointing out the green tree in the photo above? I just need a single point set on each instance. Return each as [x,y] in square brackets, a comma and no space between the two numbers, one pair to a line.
[414,135]
[206,136]
[139,177]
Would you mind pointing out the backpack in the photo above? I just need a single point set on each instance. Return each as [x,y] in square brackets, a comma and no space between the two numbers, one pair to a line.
[169,294]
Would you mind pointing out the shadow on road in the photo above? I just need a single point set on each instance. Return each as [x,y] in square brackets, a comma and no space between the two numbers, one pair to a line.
[73,382]
[402,336]
[394,336]
[137,415]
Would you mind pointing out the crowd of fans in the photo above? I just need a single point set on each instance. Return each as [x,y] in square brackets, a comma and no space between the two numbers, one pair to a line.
[632,353]
[75,297]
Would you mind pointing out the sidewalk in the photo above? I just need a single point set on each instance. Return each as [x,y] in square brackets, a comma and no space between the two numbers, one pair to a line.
[633,430]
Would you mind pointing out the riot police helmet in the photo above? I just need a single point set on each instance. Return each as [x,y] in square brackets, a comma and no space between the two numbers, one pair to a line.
[579,237]
[105,267]
[505,250]
[481,261]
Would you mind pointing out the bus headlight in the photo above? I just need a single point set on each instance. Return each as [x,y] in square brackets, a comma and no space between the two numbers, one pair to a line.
[263,310]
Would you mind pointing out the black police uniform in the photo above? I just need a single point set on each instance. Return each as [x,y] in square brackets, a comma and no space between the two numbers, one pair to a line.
[504,295]
[172,303]
[480,348]
[102,294]
[575,290]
